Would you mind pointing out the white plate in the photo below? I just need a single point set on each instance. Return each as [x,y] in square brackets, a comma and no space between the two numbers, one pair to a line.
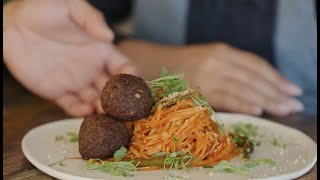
[297,158]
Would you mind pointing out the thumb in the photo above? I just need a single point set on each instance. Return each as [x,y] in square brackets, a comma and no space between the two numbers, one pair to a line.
[90,19]
[117,63]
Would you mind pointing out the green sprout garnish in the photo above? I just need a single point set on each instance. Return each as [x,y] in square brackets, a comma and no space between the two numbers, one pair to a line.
[175,138]
[168,84]
[201,101]
[73,137]
[275,142]
[245,136]
[246,131]
[178,160]
[61,164]
[117,168]
[225,166]
[120,168]
[120,153]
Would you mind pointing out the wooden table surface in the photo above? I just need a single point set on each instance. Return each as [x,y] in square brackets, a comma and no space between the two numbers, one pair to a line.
[24,111]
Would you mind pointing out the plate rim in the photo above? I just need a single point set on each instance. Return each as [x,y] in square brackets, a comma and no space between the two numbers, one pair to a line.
[63,175]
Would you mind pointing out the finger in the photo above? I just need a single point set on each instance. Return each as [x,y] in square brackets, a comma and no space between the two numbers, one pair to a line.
[255,81]
[118,63]
[252,96]
[223,101]
[259,65]
[92,20]
[88,94]
[98,107]
[100,81]
[73,106]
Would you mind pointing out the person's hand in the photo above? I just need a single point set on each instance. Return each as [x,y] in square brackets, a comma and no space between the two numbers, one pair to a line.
[232,80]
[61,50]
[239,81]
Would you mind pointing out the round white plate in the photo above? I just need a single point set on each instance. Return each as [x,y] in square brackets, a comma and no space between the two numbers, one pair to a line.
[295,159]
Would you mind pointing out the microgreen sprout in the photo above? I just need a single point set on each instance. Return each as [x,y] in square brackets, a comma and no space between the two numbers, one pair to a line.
[168,84]
[243,169]
[118,168]
[72,137]
[120,153]
[275,142]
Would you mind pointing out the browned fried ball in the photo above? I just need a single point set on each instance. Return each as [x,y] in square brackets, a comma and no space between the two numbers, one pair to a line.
[100,136]
[126,97]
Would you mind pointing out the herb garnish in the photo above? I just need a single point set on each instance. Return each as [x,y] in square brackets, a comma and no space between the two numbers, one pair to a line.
[201,101]
[117,168]
[225,166]
[61,164]
[178,160]
[275,142]
[168,84]
[120,153]
[73,137]
[245,136]
[248,130]
[120,168]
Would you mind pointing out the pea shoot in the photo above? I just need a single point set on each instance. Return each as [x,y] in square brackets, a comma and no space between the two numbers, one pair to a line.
[72,137]
[243,169]
[167,84]
[117,168]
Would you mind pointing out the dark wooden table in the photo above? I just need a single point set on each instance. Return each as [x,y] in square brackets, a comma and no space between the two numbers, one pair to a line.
[24,111]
